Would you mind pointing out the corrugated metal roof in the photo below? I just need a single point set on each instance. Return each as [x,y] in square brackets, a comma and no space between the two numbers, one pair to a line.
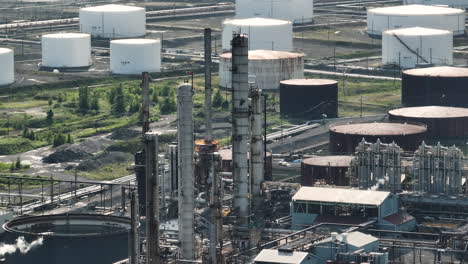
[339,195]
[277,256]
[356,239]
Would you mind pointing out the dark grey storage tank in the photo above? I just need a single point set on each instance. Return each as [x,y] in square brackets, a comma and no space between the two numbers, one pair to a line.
[309,98]
[444,86]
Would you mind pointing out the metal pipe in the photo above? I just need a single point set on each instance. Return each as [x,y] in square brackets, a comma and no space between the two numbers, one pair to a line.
[145,101]
[185,166]
[134,240]
[153,254]
[240,127]
[256,154]
[216,227]
[208,126]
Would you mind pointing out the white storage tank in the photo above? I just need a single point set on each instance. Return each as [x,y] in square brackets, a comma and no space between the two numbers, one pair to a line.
[66,50]
[408,47]
[113,21]
[394,17]
[134,56]
[450,3]
[297,11]
[263,33]
[7,66]
[267,67]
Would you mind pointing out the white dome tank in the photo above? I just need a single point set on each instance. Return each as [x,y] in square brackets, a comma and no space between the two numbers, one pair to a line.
[263,33]
[449,3]
[134,56]
[406,16]
[113,21]
[266,66]
[297,11]
[7,66]
[66,50]
[408,47]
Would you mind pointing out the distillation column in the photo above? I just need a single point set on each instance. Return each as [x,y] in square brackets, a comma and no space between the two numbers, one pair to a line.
[186,168]
[257,154]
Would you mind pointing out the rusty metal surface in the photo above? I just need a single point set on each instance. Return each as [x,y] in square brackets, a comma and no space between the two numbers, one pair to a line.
[442,122]
[267,55]
[330,170]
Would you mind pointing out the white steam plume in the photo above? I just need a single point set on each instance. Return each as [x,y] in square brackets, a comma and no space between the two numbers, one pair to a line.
[21,245]
[379,182]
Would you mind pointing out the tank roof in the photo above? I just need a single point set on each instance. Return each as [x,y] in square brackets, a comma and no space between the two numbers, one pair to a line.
[257,21]
[5,50]
[430,112]
[416,10]
[111,8]
[418,31]
[309,82]
[372,129]
[66,35]
[442,71]
[267,55]
[332,161]
[135,41]
[226,154]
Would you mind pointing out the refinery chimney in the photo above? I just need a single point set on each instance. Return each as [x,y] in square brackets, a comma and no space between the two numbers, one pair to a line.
[257,153]
[240,127]
[186,168]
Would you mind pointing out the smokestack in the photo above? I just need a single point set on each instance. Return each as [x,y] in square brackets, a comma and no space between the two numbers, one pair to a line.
[216,227]
[256,153]
[208,128]
[133,241]
[153,254]
[240,127]
[186,168]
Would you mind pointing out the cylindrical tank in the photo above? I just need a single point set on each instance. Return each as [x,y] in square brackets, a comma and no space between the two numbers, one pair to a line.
[406,16]
[297,11]
[226,163]
[113,21]
[408,47]
[263,33]
[134,56]
[309,98]
[268,67]
[7,66]
[328,169]
[66,50]
[449,3]
[345,138]
[444,85]
[441,121]
[69,238]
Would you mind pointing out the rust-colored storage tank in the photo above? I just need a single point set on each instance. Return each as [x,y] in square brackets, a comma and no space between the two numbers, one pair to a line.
[441,121]
[329,169]
[447,86]
[226,163]
[345,138]
[309,98]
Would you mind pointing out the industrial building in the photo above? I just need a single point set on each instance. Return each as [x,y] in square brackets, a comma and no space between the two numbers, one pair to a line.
[330,170]
[7,75]
[442,121]
[66,50]
[311,98]
[444,86]
[266,67]
[264,33]
[345,138]
[285,10]
[407,16]
[113,21]
[409,47]
[133,56]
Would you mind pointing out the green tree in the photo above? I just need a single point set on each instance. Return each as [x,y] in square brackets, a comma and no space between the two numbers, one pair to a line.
[83,99]
[59,139]
[18,163]
[95,103]
[134,106]
[50,117]
[70,139]
[119,105]
[51,101]
[168,106]
[12,166]
[217,99]
[166,91]
[25,133]
[154,98]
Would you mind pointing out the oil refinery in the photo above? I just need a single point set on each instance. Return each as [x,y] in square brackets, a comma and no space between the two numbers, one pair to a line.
[246,131]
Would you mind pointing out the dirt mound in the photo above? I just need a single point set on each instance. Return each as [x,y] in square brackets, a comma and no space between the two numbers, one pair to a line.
[124,133]
[77,151]
[103,159]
